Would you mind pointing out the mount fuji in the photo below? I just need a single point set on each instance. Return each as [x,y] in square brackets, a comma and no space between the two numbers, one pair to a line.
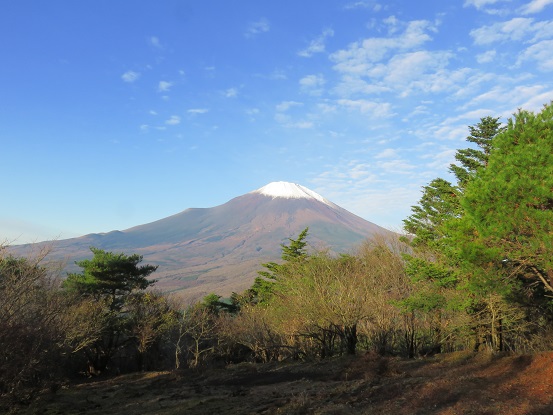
[220,249]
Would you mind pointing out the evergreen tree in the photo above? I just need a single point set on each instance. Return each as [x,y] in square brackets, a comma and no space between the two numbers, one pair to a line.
[509,206]
[471,159]
[263,287]
[114,280]
[434,267]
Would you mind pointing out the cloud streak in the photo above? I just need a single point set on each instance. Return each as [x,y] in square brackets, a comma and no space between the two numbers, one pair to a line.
[130,76]
[317,45]
[255,28]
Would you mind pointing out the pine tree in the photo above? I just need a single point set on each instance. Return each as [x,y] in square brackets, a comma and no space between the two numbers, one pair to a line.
[471,159]
[509,206]
[263,287]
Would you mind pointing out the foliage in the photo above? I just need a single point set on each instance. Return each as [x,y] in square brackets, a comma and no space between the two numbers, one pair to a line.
[110,275]
[262,290]
[440,285]
[31,334]
[117,282]
[472,160]
[509,207]
[329,297]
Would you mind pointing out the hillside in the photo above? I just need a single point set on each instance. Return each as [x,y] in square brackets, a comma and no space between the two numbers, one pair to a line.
[448,384]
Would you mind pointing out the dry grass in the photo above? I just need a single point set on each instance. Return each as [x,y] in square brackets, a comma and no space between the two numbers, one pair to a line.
[457,383]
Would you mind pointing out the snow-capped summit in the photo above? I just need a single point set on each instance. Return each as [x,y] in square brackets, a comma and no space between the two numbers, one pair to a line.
[290,191]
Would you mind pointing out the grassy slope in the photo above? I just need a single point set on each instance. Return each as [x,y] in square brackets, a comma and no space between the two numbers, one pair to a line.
[457,383]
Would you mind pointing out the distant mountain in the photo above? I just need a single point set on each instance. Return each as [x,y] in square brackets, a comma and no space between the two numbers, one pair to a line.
[220,249]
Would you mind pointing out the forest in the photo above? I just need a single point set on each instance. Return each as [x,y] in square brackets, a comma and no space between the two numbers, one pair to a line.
[473,271]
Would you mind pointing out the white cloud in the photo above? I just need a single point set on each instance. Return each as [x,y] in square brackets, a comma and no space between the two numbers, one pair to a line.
[542,53]
[404,68]
[326,108]
[367,4]
[387,153]
[360,187]
[130,76]
[278,75]
[154,41]
[312,84]
[535,6]
[361,56]
[282,116]
[231,93]
[164,86]
[252,113]
[152,112]
[173,120]
[311,81]
[479,4]
[300,124]
[516,29]
[441,160]
[534,102]
[486,57]
[484,5]
[317,45]
[397,166]
[351,84]
[376,109]
[197,111]
[286,105]
[260,26]
[405,73]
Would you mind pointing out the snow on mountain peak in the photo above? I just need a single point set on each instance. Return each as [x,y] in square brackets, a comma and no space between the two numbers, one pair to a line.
[290,191]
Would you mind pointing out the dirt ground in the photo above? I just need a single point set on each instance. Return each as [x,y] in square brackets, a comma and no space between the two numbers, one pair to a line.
[457,383]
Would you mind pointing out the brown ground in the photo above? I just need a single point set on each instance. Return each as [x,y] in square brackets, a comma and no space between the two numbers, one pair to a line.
[448,384]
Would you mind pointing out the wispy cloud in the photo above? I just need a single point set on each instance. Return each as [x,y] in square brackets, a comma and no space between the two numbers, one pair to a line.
[286,105]
[387,153]
[164,86]
[284,117]
[312,84]
[515,29]
[130,76]
[360,56]
[375,109]
[541,53]
[535,6]
[366,4]
[486,57]
[231,93]
[317,45]
[154,41]
[173,120]
[196,111]
[260,26]
[479,4]
[492,7]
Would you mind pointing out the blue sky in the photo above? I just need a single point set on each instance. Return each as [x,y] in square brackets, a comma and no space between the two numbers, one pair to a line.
[119,113]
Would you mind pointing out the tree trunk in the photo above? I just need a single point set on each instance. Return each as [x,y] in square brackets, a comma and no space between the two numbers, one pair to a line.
[350,337]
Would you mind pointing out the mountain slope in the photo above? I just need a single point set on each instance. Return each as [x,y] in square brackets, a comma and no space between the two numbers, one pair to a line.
[220,248]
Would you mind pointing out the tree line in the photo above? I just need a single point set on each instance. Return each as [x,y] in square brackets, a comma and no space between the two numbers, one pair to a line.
[474,271]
